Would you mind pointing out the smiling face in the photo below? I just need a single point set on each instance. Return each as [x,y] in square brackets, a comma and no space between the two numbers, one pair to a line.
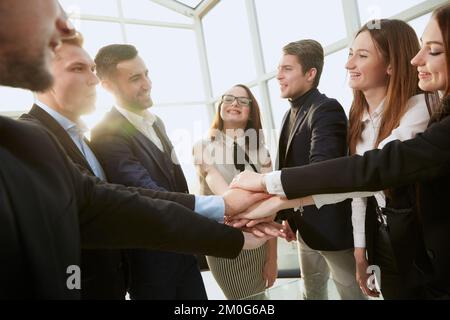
[291,78]
[131,85]
[430,61]
[234,114]
[74,91]
[366,66]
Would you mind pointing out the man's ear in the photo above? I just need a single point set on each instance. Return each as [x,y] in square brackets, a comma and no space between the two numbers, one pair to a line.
[311,75]
[106,84]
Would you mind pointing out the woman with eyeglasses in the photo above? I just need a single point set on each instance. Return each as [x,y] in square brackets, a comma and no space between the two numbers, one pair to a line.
[424,160]
[235,143]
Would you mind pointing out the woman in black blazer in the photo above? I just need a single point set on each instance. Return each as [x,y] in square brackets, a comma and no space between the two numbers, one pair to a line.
[424,160]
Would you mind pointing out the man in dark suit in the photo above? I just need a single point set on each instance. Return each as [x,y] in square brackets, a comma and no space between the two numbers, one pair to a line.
[48,209]
[314,130]
[135,150]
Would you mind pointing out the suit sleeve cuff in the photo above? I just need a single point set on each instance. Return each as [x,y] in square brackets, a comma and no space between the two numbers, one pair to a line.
[211,207]
[273,183]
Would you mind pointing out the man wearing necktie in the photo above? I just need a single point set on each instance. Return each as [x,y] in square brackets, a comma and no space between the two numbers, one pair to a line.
[135,151]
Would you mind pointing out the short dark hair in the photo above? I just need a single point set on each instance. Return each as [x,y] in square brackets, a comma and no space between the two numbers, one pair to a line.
[310,55]
[110,56]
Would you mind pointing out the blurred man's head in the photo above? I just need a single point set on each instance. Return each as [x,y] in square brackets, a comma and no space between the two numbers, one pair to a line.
[124,74]
[29,33]
[73,92]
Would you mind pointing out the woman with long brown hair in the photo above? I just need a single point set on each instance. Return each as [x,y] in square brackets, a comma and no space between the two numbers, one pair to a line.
[235,143]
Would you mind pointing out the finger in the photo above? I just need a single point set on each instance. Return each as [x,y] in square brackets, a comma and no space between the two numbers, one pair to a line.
[258,233]
[255,222]
[240,223]
[234,183]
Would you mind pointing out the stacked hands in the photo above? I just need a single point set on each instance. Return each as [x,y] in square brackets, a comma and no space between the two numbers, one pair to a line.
[249,208]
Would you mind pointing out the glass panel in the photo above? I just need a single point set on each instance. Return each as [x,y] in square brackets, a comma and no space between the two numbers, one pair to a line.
[98,34]
[229,51]
[190,3]
[173,64]
[284,21]
[15,99]
[185,126]
[97,7]
[334,79]
[147,10]
[377,9]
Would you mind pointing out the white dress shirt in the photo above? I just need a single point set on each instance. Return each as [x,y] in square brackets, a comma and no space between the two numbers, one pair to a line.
[144,123]
[414,121]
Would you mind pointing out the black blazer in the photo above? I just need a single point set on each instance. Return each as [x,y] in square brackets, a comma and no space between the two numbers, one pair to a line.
[49,210]
[424,159]
[130,158]
[319,134]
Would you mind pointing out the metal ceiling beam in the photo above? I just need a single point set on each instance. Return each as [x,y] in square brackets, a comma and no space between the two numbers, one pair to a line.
[419,10]
[176,6]
[89,17]
[204,7]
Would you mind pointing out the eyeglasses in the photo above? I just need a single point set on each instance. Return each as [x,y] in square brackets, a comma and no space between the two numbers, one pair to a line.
[242,101]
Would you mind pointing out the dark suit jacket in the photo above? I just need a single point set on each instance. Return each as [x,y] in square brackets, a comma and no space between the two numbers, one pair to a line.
[424,159]
[49,210]
[319,134]
[130,158]
[104,273]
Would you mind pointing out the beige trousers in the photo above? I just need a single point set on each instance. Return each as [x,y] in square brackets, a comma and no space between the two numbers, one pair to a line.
[316,267]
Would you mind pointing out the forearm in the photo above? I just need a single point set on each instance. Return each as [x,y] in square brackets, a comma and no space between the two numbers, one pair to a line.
[272,250]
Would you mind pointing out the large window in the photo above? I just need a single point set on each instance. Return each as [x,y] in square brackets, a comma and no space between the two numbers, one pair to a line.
[284,21]
[173,64]
[377,9]
[229,46]
[167,37]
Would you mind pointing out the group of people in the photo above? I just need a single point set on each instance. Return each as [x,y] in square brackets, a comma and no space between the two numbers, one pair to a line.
[119,207]
[59,212]
[397,175]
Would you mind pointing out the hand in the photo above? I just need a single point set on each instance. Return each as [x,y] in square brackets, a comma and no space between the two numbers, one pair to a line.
[262,209]
[290,235]
[238,201]
[252,242]
[237,222]
[270,272]
[249,180]
[361,273]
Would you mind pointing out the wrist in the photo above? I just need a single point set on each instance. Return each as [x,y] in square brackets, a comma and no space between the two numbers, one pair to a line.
[360,254]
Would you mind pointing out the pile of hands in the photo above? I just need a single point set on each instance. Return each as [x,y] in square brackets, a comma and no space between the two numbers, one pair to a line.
[250,208]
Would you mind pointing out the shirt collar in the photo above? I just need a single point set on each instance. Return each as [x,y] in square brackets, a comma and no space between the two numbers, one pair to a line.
[64,122]
[136,119]
[378,111]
